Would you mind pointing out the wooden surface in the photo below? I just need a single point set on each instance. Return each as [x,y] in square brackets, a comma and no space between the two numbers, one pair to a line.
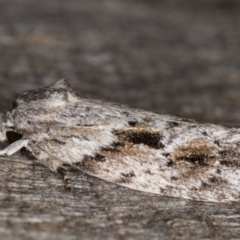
[175,57]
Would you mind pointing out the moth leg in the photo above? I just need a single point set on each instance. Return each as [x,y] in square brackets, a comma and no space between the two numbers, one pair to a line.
[51,162]
[68,183]
[45,158]
[14,147]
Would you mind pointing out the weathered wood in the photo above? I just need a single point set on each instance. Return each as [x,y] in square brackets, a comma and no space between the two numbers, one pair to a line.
[175,57]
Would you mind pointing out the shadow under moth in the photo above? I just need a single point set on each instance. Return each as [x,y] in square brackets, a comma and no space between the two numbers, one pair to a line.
[145,151]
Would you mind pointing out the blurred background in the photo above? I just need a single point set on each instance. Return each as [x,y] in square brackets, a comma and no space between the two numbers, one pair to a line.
[177,57]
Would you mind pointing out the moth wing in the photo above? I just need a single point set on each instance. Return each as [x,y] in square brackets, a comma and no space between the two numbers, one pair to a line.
[119,155]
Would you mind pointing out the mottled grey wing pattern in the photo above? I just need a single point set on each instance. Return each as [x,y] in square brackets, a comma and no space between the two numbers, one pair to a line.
[133,148]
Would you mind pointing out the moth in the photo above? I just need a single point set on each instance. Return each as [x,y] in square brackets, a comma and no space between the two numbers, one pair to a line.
[141,150]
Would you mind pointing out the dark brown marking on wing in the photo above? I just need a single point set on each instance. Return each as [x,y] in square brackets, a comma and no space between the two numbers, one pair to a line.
[150,139]
[85,125]
[229,154]
[166,154]
[132,123]
[229,158]
[174,178]
[147,119]
[196,152]
[204,133]
[148,172]
[98,158]
[125,113]
[90,164]
[173,124]
[170,163]
[129,175]
[229,163]
[214,182]
[205,185]
[114,147]
[56,142]
[196,159]
[123,180]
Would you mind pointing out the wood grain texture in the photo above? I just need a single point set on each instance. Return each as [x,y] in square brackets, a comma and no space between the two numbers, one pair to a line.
[174,57]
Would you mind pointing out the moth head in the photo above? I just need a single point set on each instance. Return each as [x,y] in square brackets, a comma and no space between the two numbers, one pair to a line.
[55,95]
[7,131]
